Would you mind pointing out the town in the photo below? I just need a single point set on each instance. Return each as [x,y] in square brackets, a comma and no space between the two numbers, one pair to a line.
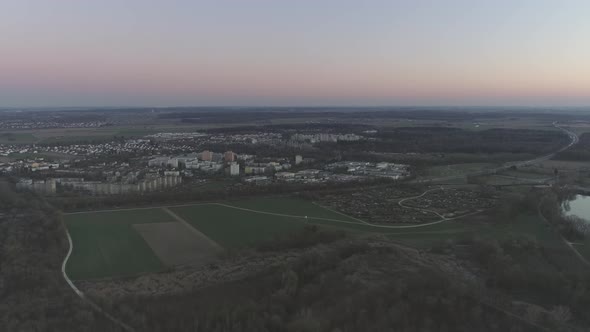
[152,165]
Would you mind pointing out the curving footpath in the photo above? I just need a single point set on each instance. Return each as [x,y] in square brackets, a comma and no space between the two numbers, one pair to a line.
[81,295]
[401,203]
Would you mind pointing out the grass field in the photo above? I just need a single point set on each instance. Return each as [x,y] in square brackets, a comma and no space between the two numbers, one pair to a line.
[525,173]
[236,228]
[291,206]
[17,138]
[524,225]
[105,243]
[450,170]
[76,139]
[257,220]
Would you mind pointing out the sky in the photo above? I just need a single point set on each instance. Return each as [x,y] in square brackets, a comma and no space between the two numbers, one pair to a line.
[294,53]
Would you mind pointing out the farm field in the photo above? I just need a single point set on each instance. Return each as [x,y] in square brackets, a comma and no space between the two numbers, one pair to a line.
[76,139]
[233,228]
[456,169]
[118,243]
[128,242]
[291,206]
[522,226]
[248,222]
[527,173]
[16,138]
[106,244]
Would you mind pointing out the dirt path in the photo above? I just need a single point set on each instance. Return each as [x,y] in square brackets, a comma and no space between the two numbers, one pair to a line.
[81,295]
[401,203]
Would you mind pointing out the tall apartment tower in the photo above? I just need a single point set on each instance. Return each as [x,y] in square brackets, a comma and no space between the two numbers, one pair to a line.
[207,155]
[229,157]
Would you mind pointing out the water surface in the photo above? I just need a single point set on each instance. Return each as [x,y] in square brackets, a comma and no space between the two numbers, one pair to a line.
[579,206]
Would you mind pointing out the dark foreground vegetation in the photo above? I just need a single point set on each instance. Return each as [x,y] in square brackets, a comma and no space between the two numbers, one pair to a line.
[33,293]
[332,281]
[372,284]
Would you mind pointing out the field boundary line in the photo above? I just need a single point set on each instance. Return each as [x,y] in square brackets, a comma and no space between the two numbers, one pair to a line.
[193,229]
[287,215]
[350,222]
[340,213]
[139,208]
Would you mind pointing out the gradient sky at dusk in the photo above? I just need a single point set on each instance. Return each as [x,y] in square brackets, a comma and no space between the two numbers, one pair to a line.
[294,52]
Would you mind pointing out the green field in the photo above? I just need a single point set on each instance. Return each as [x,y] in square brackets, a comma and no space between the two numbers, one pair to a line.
[17,138]
[291,206]
[105,243]
[76,139]
[268,219]
[236,228]
[456,169]
[523,225]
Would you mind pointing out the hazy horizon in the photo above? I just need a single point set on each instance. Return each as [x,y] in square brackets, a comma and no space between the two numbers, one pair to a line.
[258,53]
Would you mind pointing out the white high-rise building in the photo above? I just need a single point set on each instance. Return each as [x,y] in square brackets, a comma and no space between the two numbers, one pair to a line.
[234,169]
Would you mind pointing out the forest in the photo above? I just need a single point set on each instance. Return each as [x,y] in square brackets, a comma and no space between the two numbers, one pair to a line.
[346,284]
[33,294]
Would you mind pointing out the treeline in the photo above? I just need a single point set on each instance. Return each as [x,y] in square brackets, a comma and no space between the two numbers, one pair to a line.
[452,145]
[351,286]
[33,294]
[455,140]
[292,127]
[522,267]
[208,115]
